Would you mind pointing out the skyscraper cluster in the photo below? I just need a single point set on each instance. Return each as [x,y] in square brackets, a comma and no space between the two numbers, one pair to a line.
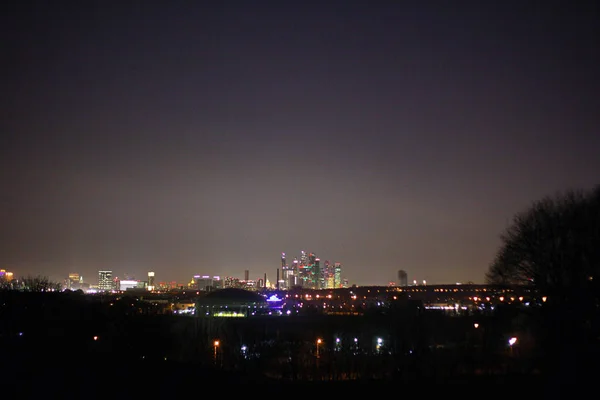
[308,272]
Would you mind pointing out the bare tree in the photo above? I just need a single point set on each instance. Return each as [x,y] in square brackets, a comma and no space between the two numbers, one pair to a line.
[39,283]
[554,245]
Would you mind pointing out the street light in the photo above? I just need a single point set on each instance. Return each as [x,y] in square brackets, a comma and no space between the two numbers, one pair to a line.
[511,342]
[476,325]
[319,341]
[216,346]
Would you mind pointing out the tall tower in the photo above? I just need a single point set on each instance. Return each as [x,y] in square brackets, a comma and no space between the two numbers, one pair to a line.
[337,275]
[402,278]
[284,280]
[318,274]
[303,259]
[246,275]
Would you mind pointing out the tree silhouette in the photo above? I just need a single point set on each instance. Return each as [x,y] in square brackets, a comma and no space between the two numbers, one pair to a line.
[39,283]
[554,247]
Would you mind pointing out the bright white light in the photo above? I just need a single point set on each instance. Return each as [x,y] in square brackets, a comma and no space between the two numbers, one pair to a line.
[355,340]
[337,340]
[379,340]
[95,337]
[244,348]
[512,341]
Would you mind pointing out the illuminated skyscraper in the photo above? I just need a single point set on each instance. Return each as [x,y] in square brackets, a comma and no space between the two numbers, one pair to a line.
[328,275]
[105,280]
[293,274]
[303,260]
[337,275]
[318,278]
[150,281]
[286,274]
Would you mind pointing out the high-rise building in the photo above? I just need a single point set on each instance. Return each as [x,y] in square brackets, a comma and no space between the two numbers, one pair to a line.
[402,278]
[151,281]
[295,278]
[246,275]
[337,275]
[318,278]
[105,280]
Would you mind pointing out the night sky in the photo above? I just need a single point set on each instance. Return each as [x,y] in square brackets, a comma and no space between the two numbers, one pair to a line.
[208,137]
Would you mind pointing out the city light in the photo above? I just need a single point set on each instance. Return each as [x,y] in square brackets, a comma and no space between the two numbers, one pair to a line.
[95,338]
[512,341]
[216,344]
[476,325]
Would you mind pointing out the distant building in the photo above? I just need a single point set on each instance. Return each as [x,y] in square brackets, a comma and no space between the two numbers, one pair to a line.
[126,284]
[231,282]
[206,283]
[74,281]
[402,278]
[151,286]
[105,280]
[231,303]
[337,275]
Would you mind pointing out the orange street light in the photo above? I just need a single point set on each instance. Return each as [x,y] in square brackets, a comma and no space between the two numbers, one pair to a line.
[216,345]
[319,341]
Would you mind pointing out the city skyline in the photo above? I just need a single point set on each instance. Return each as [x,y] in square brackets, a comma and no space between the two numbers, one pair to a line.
[180,138]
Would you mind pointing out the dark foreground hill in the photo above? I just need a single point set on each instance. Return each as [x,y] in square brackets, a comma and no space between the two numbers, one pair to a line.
[64,378]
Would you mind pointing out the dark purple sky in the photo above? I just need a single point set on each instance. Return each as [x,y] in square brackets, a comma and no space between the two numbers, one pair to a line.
[208,137]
